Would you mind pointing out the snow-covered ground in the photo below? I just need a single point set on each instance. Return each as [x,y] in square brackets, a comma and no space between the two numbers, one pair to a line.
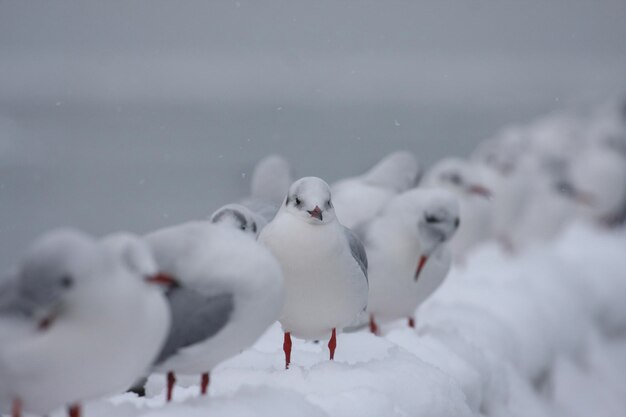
[539,334]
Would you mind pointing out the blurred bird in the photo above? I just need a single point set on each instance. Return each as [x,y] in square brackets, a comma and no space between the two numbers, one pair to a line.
[324,263]
[409,254]
[599,180]
[91,322]
[225,291]
[359,199]
[239,217]
[270,181]
[464,180]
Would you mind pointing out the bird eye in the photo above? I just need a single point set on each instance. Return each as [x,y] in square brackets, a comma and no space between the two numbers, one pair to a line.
[298,202]
[329,204]
[455,179]
[431,219]
[242,227]
[67,281]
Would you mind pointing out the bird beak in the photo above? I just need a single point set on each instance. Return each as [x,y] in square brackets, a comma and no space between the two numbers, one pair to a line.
[47,321]
[479,190]
[162,279]
[316,212]
[420,266]
[584,198]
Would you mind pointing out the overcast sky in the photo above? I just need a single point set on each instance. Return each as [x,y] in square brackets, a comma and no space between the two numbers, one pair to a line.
[323,50]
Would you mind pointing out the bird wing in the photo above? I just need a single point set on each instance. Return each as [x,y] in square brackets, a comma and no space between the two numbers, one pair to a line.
[357,249]
[195,318]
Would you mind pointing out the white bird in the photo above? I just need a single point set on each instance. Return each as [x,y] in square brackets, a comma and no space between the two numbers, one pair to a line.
[228,290]
[408,252]
[464,180]
[323,262]
[599,179]
[270,181]
[359,199]
[94,325]
[239,217]
[549,203]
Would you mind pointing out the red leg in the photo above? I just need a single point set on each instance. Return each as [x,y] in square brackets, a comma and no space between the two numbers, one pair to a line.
[16,411]
[171,380]
[332,344]
[204,384]
[373,325]
[74,410]
[411,322]
[287,349]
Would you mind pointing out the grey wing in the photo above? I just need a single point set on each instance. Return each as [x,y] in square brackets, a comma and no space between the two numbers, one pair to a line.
[195,317]
[357,249]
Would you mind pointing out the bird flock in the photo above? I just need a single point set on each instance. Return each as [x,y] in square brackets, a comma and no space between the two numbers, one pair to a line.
[84,317]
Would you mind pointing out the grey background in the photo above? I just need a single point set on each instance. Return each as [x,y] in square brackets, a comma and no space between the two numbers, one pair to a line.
[138,114]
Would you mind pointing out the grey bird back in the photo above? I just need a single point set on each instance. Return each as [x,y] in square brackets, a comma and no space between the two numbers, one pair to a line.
[357,249]
[195,317]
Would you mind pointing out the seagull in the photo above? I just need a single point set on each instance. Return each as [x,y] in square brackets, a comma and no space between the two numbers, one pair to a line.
[408,249]
[598,177]
[240,217]
[359,199]
[270,181]
[91,324]
[226,290]
[463,179]
[324,265]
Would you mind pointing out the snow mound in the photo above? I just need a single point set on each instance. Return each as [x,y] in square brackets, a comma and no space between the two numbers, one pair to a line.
[539,334]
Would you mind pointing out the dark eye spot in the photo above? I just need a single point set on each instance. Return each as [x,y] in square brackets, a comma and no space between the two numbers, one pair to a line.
[431,219]
[67,281]
[253,227]
[242,227]
[455,179]
[329,204]
[298,202]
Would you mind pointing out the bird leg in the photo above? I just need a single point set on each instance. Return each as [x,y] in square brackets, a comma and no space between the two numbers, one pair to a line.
[16,411]
[287,349]
[204,383]
[373,325]
[411,322]
[74,410]
[332,344]
[171,380]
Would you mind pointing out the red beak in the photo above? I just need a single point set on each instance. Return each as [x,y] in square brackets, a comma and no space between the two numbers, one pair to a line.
[584,198]
[420,266]
[316,212]
[162,279]
[480,190]
[46,322]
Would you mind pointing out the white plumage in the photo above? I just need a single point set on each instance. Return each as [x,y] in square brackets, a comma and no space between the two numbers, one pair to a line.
[100,332]
[359,199]
[325,282]
[230,291]
[415,224]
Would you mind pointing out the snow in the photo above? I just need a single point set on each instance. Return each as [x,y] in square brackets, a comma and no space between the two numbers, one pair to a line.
[538,334]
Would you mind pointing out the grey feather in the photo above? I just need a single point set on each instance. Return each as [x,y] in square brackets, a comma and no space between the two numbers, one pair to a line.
[357,249]
[195,318]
